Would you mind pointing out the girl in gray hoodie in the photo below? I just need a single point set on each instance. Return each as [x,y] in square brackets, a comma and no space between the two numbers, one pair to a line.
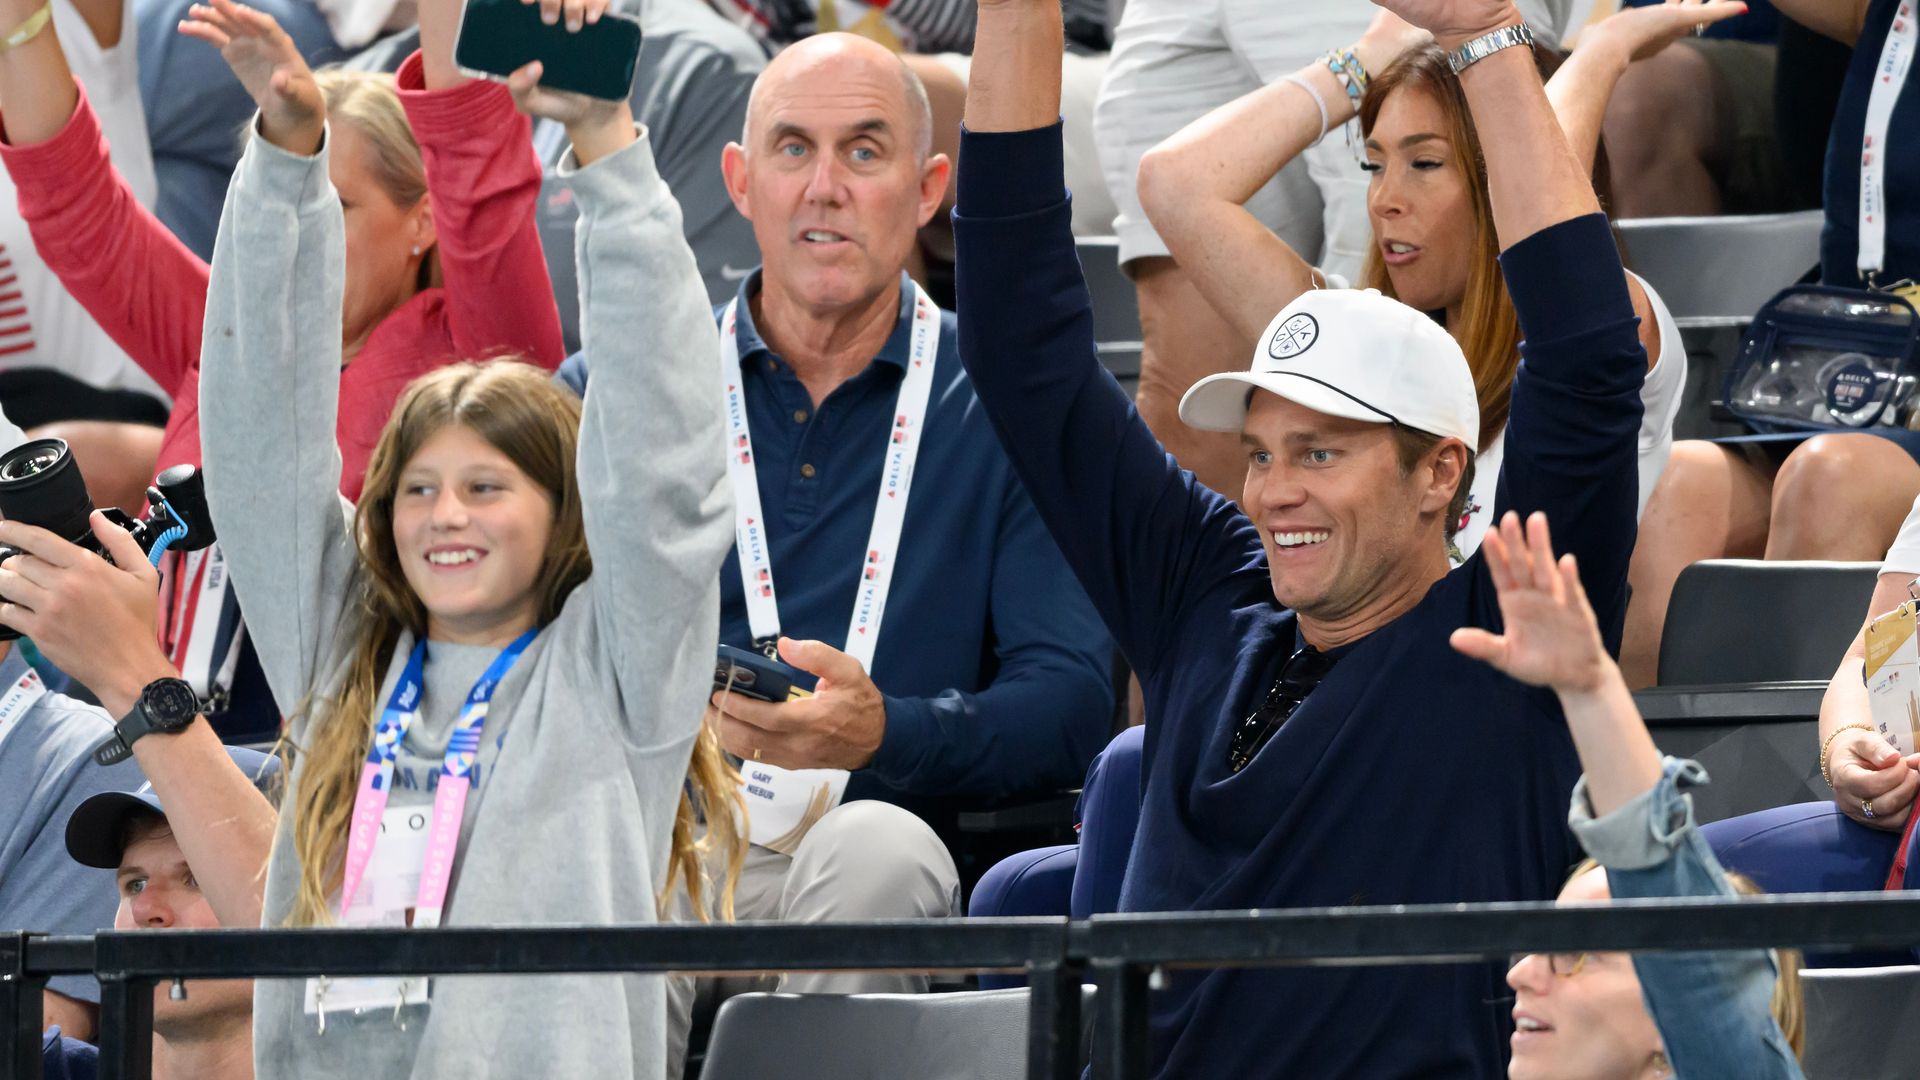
[490,728]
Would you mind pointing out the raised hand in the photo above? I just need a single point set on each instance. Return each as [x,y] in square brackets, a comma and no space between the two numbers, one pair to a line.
[1641,32]
[293,115]
[1453,22]
[1387,38]
[1552,638]
[596,126]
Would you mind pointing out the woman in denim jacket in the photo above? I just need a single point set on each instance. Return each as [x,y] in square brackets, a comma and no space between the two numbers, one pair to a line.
[1692,1015]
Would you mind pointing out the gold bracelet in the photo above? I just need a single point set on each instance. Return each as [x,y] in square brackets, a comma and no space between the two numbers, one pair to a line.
[29,29]
[1826,748]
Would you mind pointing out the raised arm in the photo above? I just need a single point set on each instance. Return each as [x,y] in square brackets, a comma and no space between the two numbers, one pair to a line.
[1195,185]
[1580,90]
[1841,20]
[1573,432]
[146,290]
[270,378]
[1712,1012]
[1148,542]
[653,482]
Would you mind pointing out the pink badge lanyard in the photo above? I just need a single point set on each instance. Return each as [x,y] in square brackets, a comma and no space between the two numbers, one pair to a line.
[450,795]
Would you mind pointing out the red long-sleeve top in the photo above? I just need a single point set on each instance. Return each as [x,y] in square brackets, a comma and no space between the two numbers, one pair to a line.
[150,293]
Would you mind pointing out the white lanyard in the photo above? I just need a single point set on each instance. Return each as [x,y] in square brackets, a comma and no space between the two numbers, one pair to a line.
[1889,78]
[19,700]
[890,505]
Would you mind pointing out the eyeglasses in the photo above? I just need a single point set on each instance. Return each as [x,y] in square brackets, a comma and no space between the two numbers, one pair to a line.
[1564,964]
[1298,676]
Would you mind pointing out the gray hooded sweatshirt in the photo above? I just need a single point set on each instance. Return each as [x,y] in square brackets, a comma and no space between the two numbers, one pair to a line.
[572,823]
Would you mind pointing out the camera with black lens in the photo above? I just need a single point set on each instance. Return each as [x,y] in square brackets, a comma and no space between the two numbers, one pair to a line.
[40,484]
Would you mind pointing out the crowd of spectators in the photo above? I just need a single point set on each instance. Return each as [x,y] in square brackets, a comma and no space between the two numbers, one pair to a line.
[512,404]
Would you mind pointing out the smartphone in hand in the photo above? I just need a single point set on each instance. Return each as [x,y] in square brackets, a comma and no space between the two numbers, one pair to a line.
[751,675]
[499,37]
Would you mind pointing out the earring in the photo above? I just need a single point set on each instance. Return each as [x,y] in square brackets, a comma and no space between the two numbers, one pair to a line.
[416,250]
[1660,1065]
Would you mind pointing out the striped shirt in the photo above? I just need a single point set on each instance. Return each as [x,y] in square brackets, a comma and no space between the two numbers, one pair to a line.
[921,26]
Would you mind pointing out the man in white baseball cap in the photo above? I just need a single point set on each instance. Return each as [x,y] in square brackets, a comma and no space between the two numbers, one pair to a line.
[1311,737]
[1381,389]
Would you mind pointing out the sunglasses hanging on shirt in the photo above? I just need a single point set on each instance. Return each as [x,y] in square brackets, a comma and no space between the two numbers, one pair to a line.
[1298,676]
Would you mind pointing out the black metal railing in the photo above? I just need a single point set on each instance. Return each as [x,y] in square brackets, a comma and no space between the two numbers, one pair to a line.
[1118,953]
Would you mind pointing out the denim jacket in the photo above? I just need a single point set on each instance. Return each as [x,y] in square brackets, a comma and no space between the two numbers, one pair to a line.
[1712,1008]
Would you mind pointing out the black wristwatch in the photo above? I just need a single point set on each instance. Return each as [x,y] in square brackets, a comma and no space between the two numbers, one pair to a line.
[165,707]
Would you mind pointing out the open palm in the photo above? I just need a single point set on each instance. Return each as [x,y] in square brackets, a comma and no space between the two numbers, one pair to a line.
[266,61]
[1552,638]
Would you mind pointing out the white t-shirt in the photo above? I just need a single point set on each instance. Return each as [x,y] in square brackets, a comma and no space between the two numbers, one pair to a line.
[41,326]
[1659,396]
[1904,556]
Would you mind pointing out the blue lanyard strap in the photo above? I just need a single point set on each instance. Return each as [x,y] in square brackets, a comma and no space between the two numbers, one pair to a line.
[404,705]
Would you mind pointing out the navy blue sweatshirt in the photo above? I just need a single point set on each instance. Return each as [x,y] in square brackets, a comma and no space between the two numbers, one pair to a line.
[1411,774]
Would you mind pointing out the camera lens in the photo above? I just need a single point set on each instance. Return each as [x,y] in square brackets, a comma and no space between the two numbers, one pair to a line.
[40,484]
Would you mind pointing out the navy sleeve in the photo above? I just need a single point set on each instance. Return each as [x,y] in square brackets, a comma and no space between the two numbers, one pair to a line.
[1573,433]
[1148,542]
[1049,707]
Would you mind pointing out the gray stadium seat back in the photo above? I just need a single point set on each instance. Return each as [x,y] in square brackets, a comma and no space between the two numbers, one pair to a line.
[973,1035]
[1744,621]
[1862,1023]
[1116,308]
[1722,267]
[1753,767]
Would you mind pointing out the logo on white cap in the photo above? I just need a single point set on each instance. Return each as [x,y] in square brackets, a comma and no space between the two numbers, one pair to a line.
[1293,337]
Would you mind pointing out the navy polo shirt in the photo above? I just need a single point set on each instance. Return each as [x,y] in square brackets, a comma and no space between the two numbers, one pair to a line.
[996,669]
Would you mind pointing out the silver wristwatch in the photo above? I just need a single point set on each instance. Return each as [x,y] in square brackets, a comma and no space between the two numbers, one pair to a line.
[1486,45]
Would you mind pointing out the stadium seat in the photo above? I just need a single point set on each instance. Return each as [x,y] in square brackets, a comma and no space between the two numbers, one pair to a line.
[1116,309]
[1809,847]
[973,1035]
[1744,661]
[1860,1023]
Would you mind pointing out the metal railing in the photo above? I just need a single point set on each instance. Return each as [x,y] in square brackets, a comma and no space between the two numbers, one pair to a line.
[1118,952]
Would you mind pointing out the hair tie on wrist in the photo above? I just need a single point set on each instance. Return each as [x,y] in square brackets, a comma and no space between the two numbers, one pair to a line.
[1318,103]
[29,29]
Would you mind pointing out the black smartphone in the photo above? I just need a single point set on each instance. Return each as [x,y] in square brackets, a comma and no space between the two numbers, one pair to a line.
[499,37]
[751,675]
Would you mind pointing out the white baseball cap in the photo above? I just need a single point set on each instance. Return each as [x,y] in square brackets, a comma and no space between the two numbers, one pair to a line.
[1351,353]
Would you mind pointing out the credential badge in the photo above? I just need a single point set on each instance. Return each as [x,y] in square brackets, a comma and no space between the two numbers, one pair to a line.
[1294,337]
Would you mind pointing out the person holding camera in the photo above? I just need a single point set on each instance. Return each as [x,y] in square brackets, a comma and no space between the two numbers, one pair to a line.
[443,254]
[502,653]
[1312,740]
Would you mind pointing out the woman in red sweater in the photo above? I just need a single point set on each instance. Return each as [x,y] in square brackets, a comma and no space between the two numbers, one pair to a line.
[438,182]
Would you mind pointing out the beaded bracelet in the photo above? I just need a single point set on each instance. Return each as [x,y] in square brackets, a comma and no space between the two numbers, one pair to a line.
[29,29]
[1353,77]
[1826,749]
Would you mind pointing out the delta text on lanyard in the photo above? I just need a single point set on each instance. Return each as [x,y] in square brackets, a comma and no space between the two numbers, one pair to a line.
[890,504]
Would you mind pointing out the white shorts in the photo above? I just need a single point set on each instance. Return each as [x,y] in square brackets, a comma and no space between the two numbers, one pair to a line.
[1174,61]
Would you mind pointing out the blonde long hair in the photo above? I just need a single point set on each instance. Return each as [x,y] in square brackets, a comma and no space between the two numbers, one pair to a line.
[519,410]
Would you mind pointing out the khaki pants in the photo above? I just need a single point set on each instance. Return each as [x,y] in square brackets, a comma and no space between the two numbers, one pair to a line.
[863,860]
